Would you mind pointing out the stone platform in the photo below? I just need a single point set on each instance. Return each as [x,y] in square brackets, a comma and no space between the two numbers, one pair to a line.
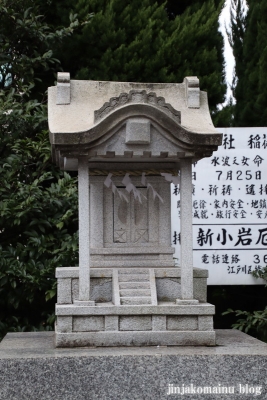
[132,307]
[31,368]
[109,325]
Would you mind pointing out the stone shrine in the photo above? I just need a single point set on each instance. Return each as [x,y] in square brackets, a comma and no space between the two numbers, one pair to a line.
[128,142]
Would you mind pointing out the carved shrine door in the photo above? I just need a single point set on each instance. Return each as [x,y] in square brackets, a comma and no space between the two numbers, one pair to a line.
[131,224]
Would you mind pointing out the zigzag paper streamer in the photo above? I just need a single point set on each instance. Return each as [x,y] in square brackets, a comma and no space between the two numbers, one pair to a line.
[170,178]
[155,193]
[109,184]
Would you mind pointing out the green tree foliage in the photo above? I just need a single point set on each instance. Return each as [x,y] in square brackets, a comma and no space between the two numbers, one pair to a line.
[249,42]
[225,116]
[175,7]
[148,41]
[38,203]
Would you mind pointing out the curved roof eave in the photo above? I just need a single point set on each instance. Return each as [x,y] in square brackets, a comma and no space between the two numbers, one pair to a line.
[119,116]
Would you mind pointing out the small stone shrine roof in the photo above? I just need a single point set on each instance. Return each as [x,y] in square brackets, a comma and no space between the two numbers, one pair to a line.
[118,121]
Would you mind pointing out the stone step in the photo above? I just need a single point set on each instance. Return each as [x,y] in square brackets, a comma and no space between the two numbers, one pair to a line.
[134,292]
[133,277]
[135,300]
[134,285]
[133,271]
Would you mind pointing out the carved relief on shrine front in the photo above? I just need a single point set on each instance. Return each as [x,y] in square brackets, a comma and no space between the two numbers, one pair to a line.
[132,219]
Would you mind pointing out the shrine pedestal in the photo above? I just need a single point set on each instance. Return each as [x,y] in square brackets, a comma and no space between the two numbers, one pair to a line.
[32,368]
[133,307]
[162,325]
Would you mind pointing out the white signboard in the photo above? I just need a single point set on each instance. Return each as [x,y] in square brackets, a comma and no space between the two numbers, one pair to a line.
[229,208]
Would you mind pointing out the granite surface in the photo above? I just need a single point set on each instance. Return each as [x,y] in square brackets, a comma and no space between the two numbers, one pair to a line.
[89,96]
[31,368]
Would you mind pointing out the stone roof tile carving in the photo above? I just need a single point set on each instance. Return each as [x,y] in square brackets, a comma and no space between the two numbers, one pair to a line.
[134,97]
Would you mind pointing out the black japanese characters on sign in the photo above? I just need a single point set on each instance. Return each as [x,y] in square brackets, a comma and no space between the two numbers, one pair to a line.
[229,208]
[239,237]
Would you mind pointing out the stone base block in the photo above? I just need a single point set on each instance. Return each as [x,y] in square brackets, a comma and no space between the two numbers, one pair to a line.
[186,302]
[166,324]
[168,284]
[32,368]
[135,338]
[84,303]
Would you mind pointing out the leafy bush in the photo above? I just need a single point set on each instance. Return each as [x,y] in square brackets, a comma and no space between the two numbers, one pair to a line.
[254,322]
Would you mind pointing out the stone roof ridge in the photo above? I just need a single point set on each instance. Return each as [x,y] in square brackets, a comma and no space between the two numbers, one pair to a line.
[136,97]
